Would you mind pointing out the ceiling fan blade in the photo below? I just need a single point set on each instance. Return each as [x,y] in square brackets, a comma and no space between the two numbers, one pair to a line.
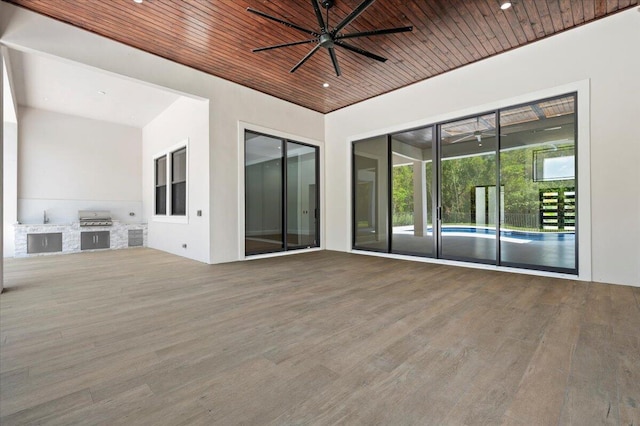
[283,22]
[360,51]
[375,33]
[334,59]
[307,56]
[353,15]
[463,138]
[295,43]
[316,8]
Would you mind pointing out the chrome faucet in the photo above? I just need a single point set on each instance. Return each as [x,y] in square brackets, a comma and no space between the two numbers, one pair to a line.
[46,219]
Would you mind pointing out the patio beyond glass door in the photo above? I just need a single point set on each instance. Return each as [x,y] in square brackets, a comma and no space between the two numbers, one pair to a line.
[538,172]
[412,155]
[468,189]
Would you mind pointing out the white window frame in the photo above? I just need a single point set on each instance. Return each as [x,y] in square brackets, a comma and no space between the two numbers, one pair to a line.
[170,218]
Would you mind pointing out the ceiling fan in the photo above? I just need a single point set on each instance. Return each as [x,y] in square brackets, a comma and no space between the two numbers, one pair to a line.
[328,37]
[477,134]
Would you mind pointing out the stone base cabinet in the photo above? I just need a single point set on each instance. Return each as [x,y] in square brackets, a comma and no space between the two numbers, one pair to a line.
[76,238]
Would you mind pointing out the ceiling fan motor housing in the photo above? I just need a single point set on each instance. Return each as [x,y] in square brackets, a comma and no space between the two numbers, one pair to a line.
[327,4]
[326,40]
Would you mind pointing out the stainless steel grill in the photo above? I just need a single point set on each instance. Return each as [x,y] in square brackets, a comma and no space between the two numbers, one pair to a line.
[94,218]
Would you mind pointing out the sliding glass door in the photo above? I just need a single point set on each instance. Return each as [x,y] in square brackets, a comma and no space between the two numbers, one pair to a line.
[371,194]
[281,194]
[412,154]
[468,195]
[538,173]
[497,188]
[263,194]
[302,196]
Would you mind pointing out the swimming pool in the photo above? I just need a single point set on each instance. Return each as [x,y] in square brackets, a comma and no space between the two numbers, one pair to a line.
[471,231]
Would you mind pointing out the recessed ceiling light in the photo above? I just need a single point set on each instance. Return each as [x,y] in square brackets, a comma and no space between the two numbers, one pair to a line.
[325,85]
[102,92]
[505,5]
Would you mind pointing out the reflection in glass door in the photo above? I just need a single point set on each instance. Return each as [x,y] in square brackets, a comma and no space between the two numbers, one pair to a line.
[412,156]
[371,194]
[263,194]
[302,209]
[281,195]
[468,189]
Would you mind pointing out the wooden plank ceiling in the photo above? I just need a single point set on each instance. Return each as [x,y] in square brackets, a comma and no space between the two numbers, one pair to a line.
[216,36]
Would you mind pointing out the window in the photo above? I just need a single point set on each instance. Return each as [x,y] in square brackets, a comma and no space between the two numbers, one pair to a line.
[179,182]
[161,185]
[171,182]
[554,163]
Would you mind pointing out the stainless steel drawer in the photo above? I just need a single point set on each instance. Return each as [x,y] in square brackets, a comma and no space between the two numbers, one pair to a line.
[136,238]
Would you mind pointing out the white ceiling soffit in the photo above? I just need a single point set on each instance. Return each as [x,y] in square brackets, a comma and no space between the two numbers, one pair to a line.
[55,85]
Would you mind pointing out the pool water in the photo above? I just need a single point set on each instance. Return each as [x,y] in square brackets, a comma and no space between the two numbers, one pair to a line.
[525,235]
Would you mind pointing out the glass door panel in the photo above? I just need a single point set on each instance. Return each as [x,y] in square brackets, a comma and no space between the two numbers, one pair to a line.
[538,173]
[468,189]
[302,211]
[371,194]
[263,194]
[412,199]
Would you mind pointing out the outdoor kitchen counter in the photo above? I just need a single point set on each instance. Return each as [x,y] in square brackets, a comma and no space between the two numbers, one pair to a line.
[119,235]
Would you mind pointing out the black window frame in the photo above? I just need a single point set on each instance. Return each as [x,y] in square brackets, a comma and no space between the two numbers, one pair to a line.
[437,184]
[168,190]
[286,247]
[178,207]
[160,194]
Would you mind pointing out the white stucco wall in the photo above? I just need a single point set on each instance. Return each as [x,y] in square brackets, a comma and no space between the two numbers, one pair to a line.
[600,60]
[185,121]
[68,163]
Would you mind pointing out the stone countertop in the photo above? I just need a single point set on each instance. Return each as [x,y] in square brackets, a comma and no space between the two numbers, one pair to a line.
[42,224]
[76,224]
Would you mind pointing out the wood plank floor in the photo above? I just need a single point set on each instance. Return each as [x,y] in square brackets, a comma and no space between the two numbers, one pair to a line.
[143,337]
